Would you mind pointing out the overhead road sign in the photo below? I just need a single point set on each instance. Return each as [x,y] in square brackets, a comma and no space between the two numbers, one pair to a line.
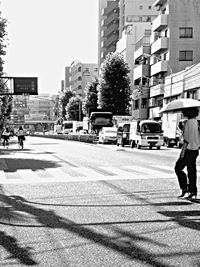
[19,86]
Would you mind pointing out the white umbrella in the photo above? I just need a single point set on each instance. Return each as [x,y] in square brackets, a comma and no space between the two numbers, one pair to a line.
[180,104]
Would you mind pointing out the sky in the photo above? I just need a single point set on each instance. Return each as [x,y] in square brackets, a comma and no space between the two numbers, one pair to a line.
[44,36]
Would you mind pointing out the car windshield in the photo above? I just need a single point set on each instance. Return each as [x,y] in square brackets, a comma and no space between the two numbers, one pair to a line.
[151,128]
[102,121]
[68,125]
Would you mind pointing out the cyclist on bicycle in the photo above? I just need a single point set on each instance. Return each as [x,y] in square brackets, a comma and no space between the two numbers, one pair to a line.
[21,136]
[6,136]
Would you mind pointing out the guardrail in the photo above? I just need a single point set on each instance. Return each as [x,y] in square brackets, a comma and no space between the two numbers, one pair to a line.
[88,138]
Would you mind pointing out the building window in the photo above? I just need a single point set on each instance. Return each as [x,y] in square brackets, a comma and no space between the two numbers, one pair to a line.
[137,104]
[186,55]
[79,69]
[186,32]
[79,78]
[79,87]
[140,7]
[149,7]
[144,103]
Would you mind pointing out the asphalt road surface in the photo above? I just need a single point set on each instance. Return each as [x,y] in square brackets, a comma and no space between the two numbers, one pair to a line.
[66,203]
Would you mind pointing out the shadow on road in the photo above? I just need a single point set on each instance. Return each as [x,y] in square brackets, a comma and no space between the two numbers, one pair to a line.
[16,251]
[15,164]
[123,242]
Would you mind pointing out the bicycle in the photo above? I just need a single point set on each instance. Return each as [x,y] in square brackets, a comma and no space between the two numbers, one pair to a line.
[5,143]
[21,144]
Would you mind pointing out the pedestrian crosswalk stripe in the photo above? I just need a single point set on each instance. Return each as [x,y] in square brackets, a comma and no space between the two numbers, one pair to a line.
[58,173]
[74,174]
[2,176]
[118,171]
[150,172]
[90,173]
[72,171]
[43,173]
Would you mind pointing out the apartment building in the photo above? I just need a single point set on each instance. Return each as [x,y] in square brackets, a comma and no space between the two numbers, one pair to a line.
[79,75]
[42,107]
[135,20]
[135,11]
[174,45]
[108,28]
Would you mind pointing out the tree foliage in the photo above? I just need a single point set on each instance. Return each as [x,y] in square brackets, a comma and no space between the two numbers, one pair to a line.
[74,109]
[64,101]
[5,101]
[91,98]
[114,85]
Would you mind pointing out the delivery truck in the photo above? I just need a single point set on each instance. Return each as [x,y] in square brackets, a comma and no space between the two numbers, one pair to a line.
[170,126]
[146,133]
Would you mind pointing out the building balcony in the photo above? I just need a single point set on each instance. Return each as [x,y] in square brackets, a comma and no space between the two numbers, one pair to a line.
[103,12]
[140,71]
[159,67]
[159,2]
[140,51]
[112,39]
[110,8]
[160,22]
[113,28]
[157,90]
[111,49]
[110,19]
[160,45]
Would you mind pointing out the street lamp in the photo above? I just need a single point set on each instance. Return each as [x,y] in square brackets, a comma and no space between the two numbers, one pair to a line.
[165,62]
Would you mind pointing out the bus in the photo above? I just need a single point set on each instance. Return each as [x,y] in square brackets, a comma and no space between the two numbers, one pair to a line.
[100,118]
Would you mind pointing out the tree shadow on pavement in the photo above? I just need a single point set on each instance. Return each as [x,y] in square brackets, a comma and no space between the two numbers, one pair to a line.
[11,245]
[185,218]
[125,244]
[15,164]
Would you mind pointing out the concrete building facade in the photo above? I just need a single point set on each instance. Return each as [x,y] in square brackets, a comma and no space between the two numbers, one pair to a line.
[108,28]
[79,75]
[174,45]
[135,20]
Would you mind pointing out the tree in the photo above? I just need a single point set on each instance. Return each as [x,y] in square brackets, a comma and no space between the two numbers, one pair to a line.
[5,101]
[114,85]
[74,109]
[91,98]
[64,101]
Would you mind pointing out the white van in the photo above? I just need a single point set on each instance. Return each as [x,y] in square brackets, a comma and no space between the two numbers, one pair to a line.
[146,133]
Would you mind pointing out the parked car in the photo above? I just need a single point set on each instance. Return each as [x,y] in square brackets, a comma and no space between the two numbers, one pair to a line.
[108,135]
[123,133]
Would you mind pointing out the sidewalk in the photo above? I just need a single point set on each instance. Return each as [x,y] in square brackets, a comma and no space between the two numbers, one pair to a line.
[105,223]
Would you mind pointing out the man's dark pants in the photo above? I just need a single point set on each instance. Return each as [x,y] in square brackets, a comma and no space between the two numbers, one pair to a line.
[189,161]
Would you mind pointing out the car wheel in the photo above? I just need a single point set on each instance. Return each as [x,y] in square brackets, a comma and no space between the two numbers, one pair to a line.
[158,147]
